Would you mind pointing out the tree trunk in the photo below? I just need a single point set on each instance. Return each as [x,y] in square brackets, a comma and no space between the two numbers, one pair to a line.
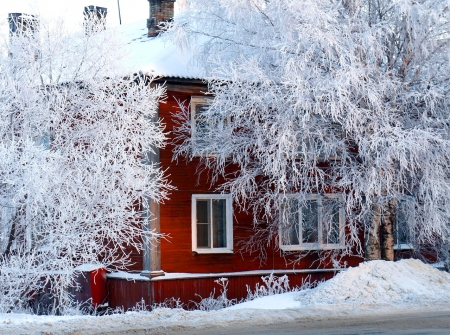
[387,231]
[380,237]
[12,236]
[373,251]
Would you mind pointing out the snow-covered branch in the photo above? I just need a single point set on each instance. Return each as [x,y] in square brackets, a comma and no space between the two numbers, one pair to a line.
[326,97]
[74,183]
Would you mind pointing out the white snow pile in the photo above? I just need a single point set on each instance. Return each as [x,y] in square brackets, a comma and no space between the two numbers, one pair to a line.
[404,283]
[375,282]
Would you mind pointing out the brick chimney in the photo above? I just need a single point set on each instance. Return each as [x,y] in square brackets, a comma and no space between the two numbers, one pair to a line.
[160,11]
[94,19]
[20,23]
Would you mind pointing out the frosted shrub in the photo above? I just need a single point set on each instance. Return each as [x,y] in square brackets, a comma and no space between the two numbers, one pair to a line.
[222,301]
[171,303]
[141,306]
[271,285]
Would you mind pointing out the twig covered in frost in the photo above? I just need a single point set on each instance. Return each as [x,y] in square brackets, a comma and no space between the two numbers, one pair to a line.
[169,303]
[74,133]
[325,97]
[272,285]
[212,304]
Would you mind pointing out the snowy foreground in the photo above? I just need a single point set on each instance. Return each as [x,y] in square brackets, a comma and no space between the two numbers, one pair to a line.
[375,287]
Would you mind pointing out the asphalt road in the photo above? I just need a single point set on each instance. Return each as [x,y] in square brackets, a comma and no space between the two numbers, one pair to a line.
[401,323]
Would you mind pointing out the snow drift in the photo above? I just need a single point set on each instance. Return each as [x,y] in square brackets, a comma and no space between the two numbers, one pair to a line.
[408,282]
[405,281]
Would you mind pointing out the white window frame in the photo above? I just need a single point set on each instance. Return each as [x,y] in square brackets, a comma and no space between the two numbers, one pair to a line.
[203,100]
[197,100]
[316,246]
[403,246]
[229,224]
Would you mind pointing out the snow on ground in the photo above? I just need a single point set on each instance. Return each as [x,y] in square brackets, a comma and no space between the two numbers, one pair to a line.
[405,282]
[373,287]
[278,301]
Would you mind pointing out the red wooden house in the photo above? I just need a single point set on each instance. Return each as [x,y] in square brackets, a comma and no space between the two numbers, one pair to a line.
[202,226]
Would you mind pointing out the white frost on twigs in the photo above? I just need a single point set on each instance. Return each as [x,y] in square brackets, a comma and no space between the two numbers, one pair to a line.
[318,96]
[74,169]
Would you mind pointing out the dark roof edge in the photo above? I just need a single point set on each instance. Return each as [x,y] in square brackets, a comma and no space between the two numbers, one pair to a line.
[179,80]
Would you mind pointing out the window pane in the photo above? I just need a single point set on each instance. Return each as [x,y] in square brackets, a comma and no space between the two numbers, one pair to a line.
[404,217]
[330,221]
[200,123]
[203,211]
[203,236]
[290,230]
[310,222]
[219,210]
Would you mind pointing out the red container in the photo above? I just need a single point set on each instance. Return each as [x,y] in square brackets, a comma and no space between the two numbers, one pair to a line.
[91,288]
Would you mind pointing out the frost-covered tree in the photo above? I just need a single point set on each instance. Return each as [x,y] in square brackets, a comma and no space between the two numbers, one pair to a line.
[73,176]
[348,98]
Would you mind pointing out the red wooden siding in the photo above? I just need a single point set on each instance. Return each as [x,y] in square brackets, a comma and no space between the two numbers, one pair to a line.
[176,252]
[126,293]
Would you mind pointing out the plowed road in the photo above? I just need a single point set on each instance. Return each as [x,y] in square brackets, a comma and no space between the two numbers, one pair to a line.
[402,323]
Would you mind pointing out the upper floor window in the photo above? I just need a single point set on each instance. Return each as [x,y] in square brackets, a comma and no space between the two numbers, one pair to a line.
[312,223]
[204,129]
[212,226]
[199,126]
[324,145]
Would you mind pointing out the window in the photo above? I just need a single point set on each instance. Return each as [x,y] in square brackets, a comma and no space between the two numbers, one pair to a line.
[312,223]
[198,107]
[312,143]
[205,129]
[403,229]
[212,226]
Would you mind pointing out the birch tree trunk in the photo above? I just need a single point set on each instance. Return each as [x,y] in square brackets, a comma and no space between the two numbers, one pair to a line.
[387,231]
[373,249]
[380,236]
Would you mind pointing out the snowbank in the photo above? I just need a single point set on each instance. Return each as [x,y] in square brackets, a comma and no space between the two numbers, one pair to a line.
[376,282]
[278,301]
[407,282]
[373,288]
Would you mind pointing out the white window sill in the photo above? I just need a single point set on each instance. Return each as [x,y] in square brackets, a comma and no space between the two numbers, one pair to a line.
[403,247]
[213,251]
[311,247]
[205,156]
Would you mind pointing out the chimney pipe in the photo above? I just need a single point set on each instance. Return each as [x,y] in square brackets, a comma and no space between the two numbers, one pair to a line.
[24,25]
[20,23]
[160,11]
[94,19]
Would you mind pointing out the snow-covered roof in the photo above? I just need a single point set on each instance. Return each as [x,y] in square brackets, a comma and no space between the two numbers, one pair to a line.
[155,56]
